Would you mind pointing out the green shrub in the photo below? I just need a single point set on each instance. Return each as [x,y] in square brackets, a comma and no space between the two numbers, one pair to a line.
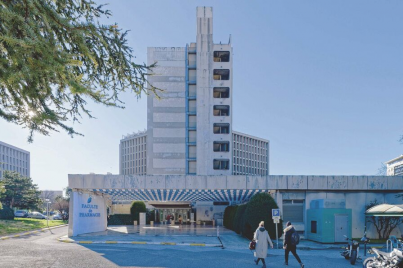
[150,216]
[229,216]
[136,208]
[239,219]
[6,213]
[120,219]
[259,209]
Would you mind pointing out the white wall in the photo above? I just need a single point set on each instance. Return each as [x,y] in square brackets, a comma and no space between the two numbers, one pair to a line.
[86,215]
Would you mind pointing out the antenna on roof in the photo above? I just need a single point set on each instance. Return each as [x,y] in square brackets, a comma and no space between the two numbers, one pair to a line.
[229,42]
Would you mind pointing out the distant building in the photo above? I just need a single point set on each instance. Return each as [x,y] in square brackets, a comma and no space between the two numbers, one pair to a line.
[189,127]
[394,167]
[14,159]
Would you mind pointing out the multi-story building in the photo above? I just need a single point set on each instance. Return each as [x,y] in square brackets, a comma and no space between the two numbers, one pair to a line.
[189,125]
[14,159]
[133,154]
[394,167]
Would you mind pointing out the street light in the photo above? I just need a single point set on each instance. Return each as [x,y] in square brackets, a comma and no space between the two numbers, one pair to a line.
[47,211]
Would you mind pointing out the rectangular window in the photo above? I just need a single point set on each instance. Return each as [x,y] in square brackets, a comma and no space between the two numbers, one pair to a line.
[221,74]
[221,56]
[293,210]
[221,128]
[221,164]
[314,227]
[221,146]
[221,110]
[221,92]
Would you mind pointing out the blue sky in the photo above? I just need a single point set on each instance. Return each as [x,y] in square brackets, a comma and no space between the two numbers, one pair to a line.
[322,80]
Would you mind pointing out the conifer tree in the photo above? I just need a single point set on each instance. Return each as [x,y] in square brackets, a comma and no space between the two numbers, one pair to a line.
[55,56]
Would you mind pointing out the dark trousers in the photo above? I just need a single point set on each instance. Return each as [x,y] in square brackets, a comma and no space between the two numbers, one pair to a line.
[259,260]
[293,250]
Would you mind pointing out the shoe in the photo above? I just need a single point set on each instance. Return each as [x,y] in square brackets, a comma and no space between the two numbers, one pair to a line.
[255,261]
[286,263]
[264,265]
[302,265]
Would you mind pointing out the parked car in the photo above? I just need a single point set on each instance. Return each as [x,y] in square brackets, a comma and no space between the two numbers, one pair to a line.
[57,217]
[36,215]
[20,214]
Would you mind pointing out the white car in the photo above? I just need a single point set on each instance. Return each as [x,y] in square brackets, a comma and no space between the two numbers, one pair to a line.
[20,214]
[57,217]
[36,215]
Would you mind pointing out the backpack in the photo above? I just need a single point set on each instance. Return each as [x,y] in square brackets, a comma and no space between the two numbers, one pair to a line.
[294,238]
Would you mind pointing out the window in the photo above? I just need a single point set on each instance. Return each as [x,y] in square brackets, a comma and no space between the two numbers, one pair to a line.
[221,146]
[221,128]
[221,164]
[221,92]
[314,227]
[293,210]
[221,74]
[221,110]
[221,56]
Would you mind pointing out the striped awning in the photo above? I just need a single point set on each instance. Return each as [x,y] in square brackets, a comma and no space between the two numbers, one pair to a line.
[187,195]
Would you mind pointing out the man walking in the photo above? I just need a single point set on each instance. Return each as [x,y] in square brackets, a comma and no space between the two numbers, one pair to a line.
[291,239]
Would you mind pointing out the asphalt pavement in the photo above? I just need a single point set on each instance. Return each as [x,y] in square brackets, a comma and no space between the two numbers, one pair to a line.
[44,250]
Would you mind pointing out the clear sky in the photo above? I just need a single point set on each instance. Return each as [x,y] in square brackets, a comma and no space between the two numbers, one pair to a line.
[322,80]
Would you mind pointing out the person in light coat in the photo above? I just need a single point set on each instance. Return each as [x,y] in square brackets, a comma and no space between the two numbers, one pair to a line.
[262,239]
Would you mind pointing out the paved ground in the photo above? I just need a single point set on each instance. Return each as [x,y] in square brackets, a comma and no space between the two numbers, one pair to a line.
[43,250]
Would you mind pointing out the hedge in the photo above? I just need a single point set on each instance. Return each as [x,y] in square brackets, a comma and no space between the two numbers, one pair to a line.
[229,216]
[245,219]
[120,219]
[136,208]
[6,213]
[259,209]
[239,219]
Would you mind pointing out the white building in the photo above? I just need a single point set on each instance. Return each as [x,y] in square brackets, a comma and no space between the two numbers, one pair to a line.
[14,159]
[394,167]
[189,127]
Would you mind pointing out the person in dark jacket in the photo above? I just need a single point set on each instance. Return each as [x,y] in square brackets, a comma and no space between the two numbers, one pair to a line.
[288,246]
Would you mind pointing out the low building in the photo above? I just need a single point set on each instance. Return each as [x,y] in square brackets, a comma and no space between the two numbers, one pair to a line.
[14,159]
[394,167]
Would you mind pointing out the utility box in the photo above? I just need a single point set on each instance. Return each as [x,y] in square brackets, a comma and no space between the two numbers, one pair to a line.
[328,221]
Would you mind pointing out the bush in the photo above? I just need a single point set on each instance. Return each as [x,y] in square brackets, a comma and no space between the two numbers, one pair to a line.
[229,216]
[6,213]
[239,219]
[120,219]
[150,216]
[136,208]
[259,209]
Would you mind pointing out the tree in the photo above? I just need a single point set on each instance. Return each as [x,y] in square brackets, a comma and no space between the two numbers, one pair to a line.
[136,208]
[20,192]
[383,225]
[382,170]
[61,204]
[56,55]
[259,209]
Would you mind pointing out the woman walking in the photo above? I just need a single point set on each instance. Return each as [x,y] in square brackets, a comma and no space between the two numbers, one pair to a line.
[262,238]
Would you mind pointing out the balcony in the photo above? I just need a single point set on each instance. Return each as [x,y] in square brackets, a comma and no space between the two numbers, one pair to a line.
[221,110]
[221,56]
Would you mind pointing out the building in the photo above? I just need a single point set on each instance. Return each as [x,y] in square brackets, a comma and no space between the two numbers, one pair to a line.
[133,154]
[189,125]
[394,167]
[14,159]
[196,164]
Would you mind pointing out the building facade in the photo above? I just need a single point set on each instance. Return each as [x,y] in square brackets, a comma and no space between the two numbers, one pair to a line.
[133,154]
[14,159]
[189,125]
[394,167]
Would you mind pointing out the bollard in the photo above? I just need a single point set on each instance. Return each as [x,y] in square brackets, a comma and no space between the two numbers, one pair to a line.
[134,223]
[152,223]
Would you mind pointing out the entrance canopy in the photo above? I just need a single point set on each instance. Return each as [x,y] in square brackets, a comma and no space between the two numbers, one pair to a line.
[385,210]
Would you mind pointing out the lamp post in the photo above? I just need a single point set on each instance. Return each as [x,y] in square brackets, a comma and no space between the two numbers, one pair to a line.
[47,211]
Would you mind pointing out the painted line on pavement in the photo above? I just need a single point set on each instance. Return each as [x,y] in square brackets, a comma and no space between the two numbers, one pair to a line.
[139,243]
